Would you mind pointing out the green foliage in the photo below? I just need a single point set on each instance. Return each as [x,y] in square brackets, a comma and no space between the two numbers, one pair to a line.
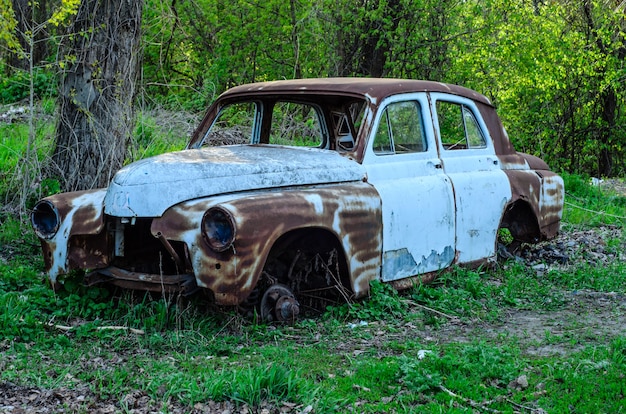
[383,302]
[461,293]
[64,12]
[270,383]
[156,134]
[478,366]
[592,205]
[19,163]
[16,87]
[7,26]
[553,69]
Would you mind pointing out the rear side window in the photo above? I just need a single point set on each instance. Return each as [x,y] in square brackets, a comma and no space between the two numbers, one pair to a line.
[400,129]
[458,127]
[295,124]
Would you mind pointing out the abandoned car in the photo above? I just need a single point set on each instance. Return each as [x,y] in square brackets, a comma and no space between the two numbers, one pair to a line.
[291,193]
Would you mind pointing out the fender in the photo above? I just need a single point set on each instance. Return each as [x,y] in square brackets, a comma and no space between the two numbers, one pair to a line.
[80,217]
[351,211]
[543,191]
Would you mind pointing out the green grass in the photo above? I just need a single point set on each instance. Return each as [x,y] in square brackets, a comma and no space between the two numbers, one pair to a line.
[192,355]
[156,134]
[591,205]
[434,348]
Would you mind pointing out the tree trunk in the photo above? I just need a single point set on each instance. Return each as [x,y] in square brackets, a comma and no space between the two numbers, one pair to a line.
[97,91]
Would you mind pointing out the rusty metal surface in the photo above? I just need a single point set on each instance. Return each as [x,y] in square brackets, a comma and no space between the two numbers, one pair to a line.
[551,203]
[184,283]
[80,213]
[352,212]
[375,89]
[543,192]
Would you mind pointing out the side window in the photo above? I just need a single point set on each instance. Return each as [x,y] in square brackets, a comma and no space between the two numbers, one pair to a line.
[400,130]
[458,127]
[475,137]
[295,124]
[234,125]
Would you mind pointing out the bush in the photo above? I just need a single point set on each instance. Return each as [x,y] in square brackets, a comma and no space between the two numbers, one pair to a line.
[16,87]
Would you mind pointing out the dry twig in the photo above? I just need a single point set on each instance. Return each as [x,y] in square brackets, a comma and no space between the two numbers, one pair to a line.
[101,328]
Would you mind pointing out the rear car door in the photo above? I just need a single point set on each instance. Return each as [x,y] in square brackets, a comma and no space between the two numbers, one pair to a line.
[481,188]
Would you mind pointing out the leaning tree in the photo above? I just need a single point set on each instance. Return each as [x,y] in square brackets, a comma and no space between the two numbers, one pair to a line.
[100,63]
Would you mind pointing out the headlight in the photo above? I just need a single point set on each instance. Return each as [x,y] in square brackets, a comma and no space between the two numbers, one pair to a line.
[45,219]
[218,228]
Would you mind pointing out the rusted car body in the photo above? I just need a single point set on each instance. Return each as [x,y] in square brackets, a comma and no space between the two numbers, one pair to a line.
[303,190]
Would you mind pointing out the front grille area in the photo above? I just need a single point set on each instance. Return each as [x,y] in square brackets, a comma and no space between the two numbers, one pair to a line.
[141,252]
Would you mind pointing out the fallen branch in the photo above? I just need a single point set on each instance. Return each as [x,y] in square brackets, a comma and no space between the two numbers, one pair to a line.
[530,409]
[122,328]
[101,328]
[445,315]
[472,403]
[483,406]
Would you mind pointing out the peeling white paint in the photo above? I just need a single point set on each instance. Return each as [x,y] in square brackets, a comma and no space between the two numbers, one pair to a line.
[148,187]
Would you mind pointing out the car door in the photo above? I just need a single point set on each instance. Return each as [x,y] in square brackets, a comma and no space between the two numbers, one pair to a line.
[417,198]
[481,188]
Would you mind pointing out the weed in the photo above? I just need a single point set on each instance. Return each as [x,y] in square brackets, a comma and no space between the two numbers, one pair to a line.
[271,383]
[383,302]
[157,132]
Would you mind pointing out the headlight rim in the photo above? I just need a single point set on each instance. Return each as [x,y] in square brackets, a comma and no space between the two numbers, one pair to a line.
[37,224]
[216,243]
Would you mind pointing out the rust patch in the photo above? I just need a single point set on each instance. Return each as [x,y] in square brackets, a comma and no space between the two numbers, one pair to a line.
[47,249]
[184,283]
[89,252]
[543,192]
[87,219]
[410,282]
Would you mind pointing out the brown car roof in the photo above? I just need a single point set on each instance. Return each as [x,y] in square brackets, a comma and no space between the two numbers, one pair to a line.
[375,89]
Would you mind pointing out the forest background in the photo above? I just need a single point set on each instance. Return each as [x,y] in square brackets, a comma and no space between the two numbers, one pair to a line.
[554,68]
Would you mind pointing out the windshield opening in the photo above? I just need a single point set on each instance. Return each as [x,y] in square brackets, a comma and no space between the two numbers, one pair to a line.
[320,123]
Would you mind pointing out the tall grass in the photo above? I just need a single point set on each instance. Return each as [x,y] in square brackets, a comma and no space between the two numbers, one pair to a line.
[592,204]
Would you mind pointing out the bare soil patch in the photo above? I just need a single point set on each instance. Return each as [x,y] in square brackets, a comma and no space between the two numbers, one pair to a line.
[587,318]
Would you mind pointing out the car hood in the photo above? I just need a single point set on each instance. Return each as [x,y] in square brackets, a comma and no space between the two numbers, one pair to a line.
[148,187]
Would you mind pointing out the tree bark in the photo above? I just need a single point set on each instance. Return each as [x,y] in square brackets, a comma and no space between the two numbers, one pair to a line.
[98,86]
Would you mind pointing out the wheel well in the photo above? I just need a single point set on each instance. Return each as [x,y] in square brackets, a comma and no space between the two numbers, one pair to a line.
[311,240]
[521,222]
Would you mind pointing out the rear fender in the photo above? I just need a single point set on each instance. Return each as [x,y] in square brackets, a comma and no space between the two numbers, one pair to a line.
[542,191]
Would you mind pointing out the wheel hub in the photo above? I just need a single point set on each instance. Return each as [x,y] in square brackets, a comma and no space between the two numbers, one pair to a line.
[279,304]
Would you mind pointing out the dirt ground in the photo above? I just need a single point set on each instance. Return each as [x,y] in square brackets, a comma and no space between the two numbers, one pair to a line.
[586,316]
